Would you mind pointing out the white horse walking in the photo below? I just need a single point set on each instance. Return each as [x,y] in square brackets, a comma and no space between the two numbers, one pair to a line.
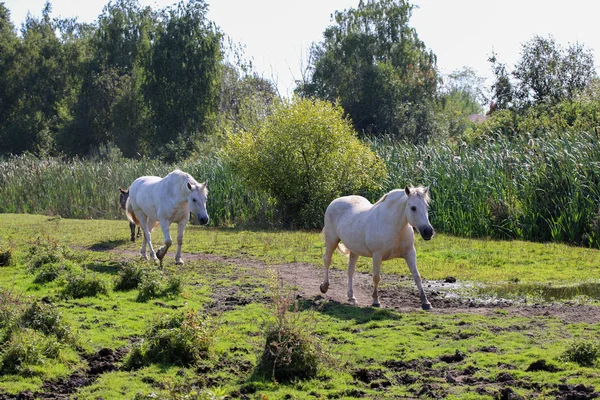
[154,200]
[383,231]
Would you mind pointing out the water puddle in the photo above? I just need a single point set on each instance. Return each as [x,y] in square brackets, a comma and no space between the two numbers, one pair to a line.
[545,292]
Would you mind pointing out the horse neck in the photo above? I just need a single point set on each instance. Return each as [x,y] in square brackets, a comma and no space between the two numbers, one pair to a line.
[393,212]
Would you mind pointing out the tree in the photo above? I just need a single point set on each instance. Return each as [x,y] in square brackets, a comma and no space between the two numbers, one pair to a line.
[184,79]
[545,74]
[110,106]
[460,96]
[9,45]
[374,64]
[305,154]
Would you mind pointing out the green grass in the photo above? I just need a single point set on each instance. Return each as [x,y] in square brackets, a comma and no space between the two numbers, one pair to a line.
[403,350]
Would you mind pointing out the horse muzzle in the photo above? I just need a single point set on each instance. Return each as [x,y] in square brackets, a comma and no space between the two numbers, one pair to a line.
[202,220]
[426,232]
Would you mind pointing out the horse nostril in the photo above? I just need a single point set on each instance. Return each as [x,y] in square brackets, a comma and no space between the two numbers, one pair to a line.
[203,221]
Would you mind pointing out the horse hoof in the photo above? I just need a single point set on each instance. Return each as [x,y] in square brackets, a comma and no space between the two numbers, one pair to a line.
[376,304]
[324,287]
[353,301]
[426,307]
[179,262]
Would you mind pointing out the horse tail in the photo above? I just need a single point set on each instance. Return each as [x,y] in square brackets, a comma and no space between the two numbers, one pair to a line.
[130,214]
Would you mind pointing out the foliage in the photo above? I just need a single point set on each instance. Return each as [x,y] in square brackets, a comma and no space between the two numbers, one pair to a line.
[583,352]
[545,74]
[130,276]
[459,96]
[304,155]
[27,349]
[46,318]
[183,339]
[290,350]
[84,285]
[6,257]
[154,284]
[374,64]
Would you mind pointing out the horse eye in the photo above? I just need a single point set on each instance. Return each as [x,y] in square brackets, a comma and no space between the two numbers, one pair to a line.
[194,200]
[413,208]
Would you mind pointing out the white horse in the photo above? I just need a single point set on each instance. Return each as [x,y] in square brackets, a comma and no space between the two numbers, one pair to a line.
[383,231]
[153,200]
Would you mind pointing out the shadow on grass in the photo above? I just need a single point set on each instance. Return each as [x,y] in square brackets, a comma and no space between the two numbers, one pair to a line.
[360,315]
[108,244]
[109,267]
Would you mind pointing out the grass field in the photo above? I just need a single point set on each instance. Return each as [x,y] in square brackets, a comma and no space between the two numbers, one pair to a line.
[72,273]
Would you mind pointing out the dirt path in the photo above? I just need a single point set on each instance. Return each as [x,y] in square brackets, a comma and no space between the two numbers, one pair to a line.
[396,292]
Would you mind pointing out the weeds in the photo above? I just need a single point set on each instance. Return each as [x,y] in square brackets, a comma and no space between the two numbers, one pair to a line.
[84,285]
[154,285]
[130,276]
[180,339]
[583,352]
[291,350]
[47,319]
[27,349]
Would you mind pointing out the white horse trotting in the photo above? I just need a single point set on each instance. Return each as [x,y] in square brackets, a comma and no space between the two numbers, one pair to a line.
[383,231]
[153,200]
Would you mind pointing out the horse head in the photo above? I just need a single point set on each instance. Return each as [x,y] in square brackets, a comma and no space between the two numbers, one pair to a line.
[197,200]
[416,210]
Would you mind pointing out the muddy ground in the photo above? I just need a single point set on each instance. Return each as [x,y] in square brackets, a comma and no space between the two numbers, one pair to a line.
[396,292]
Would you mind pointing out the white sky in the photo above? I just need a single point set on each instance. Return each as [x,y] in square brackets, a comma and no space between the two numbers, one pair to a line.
[277,33]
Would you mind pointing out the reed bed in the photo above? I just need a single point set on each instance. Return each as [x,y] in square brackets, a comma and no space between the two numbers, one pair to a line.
[538,189]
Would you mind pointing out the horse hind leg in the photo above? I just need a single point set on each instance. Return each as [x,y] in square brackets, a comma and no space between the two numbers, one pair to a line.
[352,259]
[330,246]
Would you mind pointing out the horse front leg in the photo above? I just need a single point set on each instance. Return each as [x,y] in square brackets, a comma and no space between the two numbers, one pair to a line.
[180,229]
[377,259]
[164,225]
[411,260]
[352,259]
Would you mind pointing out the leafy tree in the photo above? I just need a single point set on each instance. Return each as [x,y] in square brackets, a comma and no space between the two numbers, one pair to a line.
[546,73]
[110,107]
[9,46]
[305,155]
[184,79]
[460,96]
[374,64]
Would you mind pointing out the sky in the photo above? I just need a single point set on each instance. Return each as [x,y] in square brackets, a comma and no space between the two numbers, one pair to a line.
[276,34]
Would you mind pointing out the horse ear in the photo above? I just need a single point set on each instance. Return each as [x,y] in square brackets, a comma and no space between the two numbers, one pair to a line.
[407,190]
[426,190]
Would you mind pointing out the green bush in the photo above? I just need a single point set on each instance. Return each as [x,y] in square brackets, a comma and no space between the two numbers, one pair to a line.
[44,251]
[27,349]
[305,155]
[130,276]
[154,285]
[291,350]
[84,285]
[583,352]
[47,319]
[183,339]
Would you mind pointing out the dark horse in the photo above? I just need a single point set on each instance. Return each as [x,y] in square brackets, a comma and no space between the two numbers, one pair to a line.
[123,201]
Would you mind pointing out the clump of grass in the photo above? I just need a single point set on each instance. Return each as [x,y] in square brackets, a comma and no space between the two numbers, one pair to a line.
[44,251]
[130,276]
[291,350]
[155,285]
[583,352]
[183,339]
[50,272]
[6,257]
[47,319]
[84,285]
[26,352]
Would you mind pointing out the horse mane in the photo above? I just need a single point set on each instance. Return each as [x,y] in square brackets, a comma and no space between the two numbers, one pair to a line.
[184,178]
[420,191]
